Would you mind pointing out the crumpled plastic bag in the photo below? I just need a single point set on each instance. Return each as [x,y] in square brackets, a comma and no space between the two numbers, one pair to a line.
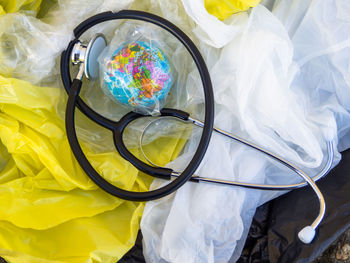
[222,9]
[47,201]
[322,55]
[27,6]
[257,97]
[102,238]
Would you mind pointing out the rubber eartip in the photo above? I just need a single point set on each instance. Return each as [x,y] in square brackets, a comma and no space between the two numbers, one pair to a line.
[307,234]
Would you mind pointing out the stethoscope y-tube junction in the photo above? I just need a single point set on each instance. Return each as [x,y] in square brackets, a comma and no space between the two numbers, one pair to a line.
[79,52]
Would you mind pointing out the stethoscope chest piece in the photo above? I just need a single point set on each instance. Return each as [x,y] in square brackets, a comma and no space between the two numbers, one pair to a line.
[88,55]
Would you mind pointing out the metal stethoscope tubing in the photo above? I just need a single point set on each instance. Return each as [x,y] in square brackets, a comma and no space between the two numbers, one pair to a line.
[307,233]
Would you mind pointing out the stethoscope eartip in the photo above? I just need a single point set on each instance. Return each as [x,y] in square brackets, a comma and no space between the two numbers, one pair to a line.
[307,234]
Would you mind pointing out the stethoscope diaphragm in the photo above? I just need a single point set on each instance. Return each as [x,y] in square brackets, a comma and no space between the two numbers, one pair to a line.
[88,55]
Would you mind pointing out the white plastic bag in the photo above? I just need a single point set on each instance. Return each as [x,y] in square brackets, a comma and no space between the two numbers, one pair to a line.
[320,34]
[252,79]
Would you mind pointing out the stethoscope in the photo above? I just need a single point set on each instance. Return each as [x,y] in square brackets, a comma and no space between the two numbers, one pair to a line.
[86,57]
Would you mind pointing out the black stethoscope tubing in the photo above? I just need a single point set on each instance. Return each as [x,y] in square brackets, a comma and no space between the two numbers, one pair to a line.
[73,89]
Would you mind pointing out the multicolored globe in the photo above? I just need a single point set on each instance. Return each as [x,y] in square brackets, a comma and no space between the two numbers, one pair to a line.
[138,75]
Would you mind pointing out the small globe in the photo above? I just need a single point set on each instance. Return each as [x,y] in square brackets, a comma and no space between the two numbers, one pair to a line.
[138,75]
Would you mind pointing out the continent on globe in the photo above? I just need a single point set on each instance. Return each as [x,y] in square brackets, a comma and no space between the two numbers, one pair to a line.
[138,75]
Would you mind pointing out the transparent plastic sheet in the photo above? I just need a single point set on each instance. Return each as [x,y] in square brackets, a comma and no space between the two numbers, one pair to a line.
[180,96]
[255,99]
[30,50]
[30,47]
[135,70]
[323,57]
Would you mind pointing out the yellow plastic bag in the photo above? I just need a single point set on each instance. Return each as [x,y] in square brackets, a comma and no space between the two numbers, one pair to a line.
[36,8]
[50,211]
[13,6]
[222,9]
